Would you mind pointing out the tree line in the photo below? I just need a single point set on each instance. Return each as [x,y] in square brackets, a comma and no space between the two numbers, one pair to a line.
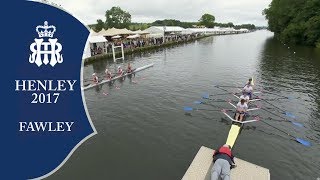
[295,21]
[118,18]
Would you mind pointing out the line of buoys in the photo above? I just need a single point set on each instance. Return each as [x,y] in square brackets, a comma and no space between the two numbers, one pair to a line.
[288,48]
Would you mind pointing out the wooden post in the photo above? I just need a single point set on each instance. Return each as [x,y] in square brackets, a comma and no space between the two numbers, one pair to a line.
[113,53]
[122,51]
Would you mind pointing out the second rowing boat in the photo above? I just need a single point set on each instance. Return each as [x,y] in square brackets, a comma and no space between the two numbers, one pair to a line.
[117,77]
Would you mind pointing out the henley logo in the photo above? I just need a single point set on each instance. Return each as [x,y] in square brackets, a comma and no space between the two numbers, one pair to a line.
[41,47]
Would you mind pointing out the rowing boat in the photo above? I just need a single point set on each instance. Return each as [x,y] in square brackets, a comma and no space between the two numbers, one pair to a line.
[235,128]
[236,124]
[117,77]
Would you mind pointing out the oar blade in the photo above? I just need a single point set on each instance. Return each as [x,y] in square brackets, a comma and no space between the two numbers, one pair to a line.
[303,142]
[187,108]
[297,124]
[205,96]
[198,102]
[290,115]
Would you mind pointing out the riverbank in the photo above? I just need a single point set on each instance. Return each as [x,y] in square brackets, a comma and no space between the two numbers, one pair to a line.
[109,56]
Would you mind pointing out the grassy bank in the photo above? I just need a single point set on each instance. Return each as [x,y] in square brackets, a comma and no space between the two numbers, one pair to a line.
[109,56]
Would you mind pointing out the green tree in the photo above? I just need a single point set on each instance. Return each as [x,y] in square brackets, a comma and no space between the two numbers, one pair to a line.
[207,20]
[118,18]
[99,26]
[295,21]
[230,24]
[173,22]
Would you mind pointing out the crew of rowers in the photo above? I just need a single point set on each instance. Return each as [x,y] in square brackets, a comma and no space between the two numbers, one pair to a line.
[109,76]
[245,98]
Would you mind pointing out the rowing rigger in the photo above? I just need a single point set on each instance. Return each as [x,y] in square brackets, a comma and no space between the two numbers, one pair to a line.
[237,125]
[117,77]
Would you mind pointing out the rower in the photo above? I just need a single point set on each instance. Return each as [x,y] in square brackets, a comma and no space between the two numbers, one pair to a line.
[95,78]
[248,90]
[250,82]
[108,74]
[241,110]
[120,71]
[245,97]
[129,68]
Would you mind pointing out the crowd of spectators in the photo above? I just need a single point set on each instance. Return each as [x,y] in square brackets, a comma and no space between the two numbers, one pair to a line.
[140,42]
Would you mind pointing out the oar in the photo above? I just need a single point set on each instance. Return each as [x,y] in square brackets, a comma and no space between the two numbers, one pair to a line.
[228,86]
[206,96]
[288,114]
[299,140]
[221,94]
[239,88]
[99,77]
[93,83]
[281,120]
[197,109]
[222,89]
[202,102]
[207,103]
[274,99]
[294,123]
[214,100]
[199,102]
[268,92]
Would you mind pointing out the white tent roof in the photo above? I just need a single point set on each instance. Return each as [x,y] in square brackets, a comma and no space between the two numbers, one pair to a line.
[115,31]
[102,32]
[133,36]
[96,39]
[125,31]
[154,30]
[140,32]
[243,30]
[173,29]
[155,35]
[161,29]
[116,37]
[187,31]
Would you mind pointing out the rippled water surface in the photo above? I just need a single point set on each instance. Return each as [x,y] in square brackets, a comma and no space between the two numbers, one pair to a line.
[143,132]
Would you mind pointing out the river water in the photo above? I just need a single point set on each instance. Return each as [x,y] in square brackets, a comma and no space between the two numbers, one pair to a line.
[143,132]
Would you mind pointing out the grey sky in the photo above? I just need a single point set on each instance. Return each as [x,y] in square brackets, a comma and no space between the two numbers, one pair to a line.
[236,11]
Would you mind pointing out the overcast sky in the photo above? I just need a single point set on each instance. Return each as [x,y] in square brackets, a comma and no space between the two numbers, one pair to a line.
[236,11]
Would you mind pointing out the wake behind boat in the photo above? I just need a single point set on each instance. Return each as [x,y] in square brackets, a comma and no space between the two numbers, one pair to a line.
[117,77]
